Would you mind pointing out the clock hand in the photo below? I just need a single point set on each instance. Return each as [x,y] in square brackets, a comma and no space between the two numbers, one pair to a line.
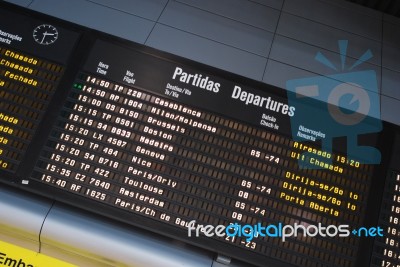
[44,36]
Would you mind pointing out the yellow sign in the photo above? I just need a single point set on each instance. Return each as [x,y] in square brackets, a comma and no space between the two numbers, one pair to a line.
[14,256]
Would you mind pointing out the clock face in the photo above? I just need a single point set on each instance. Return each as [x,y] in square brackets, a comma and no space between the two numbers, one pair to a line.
[45,34]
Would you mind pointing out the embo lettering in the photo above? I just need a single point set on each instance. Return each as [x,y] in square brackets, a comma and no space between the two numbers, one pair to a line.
[14,66]
[3,141]
[20,57]
[312,150]
[323,209]
[196,80]
[293,199]
[260,101]
[9,119]
[150,153]
[6,129]
[155,143]
[3,164]
[157,133]
[177,107]
[140,161]
[13,37]
[7,261]
[141,197]
[166,125]
[310,161]
[20,78]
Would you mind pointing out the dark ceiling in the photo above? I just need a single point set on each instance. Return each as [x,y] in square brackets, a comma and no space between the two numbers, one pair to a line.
[391,7]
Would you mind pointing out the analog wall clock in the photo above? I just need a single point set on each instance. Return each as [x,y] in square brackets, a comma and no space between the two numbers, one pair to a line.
[45,34]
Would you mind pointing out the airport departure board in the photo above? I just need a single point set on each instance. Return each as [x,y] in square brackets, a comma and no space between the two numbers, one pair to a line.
[387,251]
[24,98]
[157,141]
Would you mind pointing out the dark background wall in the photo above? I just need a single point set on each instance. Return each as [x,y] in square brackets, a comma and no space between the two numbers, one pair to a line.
[271,41]
[267,40]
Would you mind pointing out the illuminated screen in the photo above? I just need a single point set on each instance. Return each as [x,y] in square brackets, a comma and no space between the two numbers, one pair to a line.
[157,142]
[144,148]
[30,74]
[26,87]
[387,248]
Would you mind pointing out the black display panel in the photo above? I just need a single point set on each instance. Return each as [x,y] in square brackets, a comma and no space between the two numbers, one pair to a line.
[33,56]
[157,141]
[387,248]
